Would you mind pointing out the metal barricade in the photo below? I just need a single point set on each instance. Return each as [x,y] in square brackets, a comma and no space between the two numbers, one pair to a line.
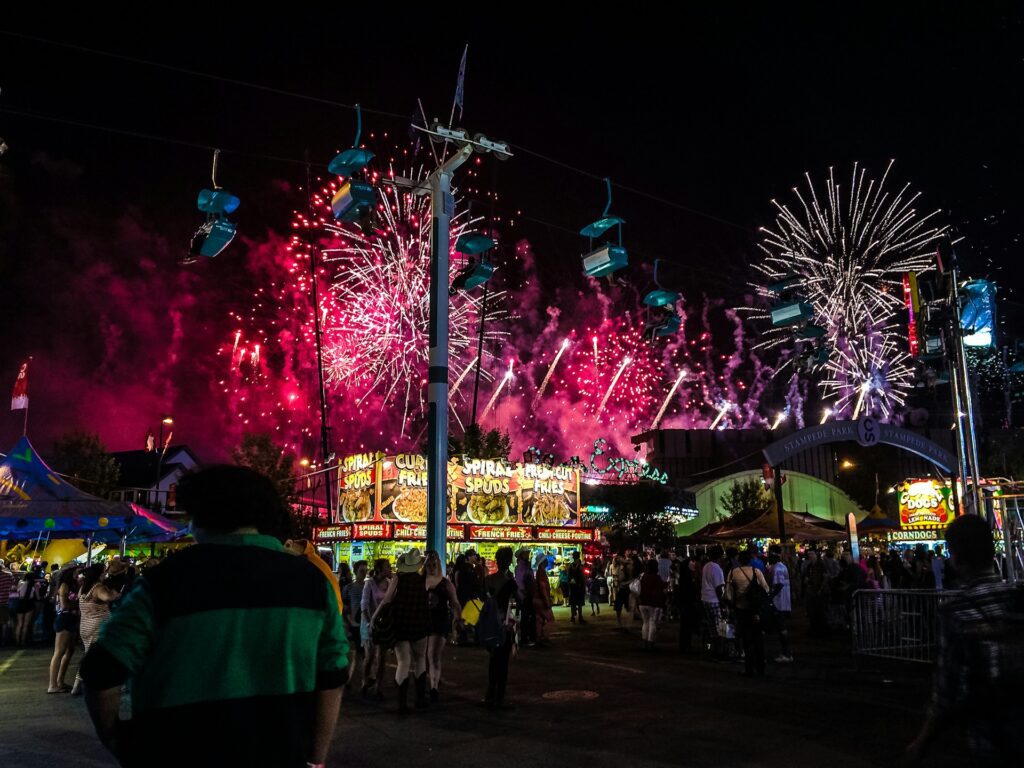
[900,624]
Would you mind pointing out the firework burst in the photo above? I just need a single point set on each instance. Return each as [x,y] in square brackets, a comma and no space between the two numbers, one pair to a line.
[378,303]
[850,250]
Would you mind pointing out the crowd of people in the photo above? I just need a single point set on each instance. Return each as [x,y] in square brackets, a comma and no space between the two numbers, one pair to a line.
[182,635]
[63,605]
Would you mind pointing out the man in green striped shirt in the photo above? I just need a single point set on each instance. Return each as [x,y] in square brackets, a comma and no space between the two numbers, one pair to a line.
[234,650]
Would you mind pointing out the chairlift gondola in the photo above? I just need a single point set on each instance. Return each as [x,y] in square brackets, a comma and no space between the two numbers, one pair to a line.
[354,198]
[477,271]
[662,318]
[474,274]
[607,257]
[217,232]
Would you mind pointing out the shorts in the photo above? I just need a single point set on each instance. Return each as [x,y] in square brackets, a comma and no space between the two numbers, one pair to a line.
[66,622]
[622,597]
[26,605]
[365,639]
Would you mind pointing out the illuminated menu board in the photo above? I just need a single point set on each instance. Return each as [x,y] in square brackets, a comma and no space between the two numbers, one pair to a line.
[357,488]
[486,492]
[550,495]
[393,489]
[403,488]
[924,503]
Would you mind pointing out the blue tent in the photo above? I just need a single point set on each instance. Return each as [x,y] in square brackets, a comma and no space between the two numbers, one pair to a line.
[36,501]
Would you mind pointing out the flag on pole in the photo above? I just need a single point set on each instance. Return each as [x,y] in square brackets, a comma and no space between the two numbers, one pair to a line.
[19,397]
[460,87]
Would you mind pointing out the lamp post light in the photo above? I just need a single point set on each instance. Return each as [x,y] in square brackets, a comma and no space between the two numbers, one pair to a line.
[159,460]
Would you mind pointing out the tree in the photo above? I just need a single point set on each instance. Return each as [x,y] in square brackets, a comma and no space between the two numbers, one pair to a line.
[85,460]
[637,517]
[477,444]
[258,451]
[748,498]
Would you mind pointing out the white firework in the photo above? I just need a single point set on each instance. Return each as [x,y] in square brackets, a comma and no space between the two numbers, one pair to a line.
[377,311]
[850,251]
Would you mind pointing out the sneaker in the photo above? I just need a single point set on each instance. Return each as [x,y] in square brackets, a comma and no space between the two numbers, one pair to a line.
[783,659]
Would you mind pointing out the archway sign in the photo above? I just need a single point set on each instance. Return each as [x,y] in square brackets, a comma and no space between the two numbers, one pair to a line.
[868,432]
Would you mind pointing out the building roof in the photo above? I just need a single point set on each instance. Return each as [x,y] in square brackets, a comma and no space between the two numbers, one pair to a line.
[138,468]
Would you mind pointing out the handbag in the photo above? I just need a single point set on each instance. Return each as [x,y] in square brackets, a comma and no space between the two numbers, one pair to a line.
[634,586]
[383,630]
[471,611]
[725,629]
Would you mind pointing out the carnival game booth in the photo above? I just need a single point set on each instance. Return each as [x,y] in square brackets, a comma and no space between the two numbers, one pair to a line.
[37,504]
[382,509]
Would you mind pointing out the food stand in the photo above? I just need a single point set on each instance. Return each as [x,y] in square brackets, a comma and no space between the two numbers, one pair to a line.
[382,509]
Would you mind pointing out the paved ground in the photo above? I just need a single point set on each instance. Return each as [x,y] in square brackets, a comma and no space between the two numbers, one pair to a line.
[646,709]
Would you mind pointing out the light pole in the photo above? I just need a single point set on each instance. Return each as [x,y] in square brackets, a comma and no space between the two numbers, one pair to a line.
[442,206]
[159,460]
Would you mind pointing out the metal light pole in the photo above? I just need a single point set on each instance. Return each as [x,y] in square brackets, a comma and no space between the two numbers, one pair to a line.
[442,206]
[159,460]
[967,440]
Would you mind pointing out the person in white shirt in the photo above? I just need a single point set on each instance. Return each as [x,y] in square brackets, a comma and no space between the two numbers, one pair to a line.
[712,587]
[778,579]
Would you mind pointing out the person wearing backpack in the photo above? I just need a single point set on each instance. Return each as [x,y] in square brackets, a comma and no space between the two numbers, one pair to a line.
[748,592]
[496,627]
[979,672]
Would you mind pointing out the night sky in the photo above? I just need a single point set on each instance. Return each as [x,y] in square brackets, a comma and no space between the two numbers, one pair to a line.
[714,113]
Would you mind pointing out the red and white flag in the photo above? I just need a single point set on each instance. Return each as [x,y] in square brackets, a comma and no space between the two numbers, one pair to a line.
[19,398]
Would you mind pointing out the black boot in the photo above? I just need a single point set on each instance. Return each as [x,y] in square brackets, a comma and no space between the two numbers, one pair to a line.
[421,691]
[403,697]
[434,696]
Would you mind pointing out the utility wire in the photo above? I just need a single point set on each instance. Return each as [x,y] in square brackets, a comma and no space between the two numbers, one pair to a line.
[344,105]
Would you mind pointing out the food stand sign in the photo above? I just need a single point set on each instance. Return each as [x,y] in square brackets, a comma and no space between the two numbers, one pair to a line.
[332,533]
[357,487]
[485,493]
[500,533]
[924,504]
[403,489]
[418,531]
[564,534]
[550,495]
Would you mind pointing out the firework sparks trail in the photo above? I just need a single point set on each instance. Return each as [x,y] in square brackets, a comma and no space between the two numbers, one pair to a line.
[462,376]
[615,380]
[551,369]
[668,399]
[850,254]
[721,414]
[494,398]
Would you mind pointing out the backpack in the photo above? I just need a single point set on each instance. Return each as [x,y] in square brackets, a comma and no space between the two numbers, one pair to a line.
[490,626]
[755,597]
